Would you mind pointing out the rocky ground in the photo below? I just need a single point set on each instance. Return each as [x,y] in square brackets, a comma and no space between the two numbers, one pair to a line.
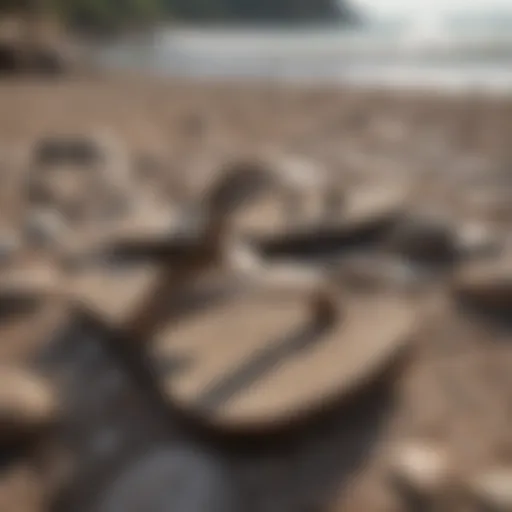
[437,435]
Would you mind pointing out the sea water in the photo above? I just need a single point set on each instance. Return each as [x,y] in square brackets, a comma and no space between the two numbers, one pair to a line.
[429,51]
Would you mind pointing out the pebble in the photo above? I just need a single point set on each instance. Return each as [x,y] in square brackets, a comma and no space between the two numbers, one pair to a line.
[28,404]
[420,470]
[493,490]
[177,480]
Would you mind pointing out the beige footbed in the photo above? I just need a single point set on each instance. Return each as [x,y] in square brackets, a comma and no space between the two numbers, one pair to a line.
[114,296]
[229,341]
[227,338]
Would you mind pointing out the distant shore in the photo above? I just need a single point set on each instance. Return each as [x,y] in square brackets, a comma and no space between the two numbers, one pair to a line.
[327,54]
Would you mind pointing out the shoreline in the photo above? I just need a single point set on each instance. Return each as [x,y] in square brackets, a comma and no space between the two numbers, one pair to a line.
[401,60]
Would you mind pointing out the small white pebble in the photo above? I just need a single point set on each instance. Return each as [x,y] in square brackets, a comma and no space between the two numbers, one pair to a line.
[420,468]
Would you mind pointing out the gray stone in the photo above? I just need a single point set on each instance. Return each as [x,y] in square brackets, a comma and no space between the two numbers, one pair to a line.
[180,480]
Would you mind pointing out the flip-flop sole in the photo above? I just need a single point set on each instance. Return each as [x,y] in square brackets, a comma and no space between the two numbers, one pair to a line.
[114,296]
[257,362]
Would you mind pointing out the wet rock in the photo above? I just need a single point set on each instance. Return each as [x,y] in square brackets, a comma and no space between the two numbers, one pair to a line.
[420,472]
[492,490]
[179,480]
[425,238]
[28,405]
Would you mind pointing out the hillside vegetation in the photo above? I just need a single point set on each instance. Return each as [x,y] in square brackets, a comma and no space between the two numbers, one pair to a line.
[91,15]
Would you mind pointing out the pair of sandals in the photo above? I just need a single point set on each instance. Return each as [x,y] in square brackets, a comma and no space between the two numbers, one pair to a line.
[247,344]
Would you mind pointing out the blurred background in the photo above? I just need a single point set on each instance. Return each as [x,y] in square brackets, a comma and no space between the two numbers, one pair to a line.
[447,44]
[154,151]
[450,44]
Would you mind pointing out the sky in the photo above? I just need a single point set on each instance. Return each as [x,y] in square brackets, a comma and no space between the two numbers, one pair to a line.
[417,7]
